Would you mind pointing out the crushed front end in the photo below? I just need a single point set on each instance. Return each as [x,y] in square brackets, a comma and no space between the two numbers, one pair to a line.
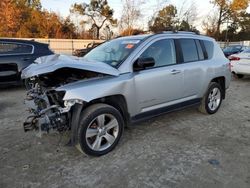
[49,111]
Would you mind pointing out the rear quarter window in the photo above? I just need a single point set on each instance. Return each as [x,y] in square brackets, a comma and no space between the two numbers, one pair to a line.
[209,46]
[14,48]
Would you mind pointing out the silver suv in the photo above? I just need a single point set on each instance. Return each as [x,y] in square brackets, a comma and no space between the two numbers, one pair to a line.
[121,82]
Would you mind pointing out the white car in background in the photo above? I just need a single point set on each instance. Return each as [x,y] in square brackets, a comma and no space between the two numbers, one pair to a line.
[240,63]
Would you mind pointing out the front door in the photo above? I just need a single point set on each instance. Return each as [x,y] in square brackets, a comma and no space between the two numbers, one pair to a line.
[162,84]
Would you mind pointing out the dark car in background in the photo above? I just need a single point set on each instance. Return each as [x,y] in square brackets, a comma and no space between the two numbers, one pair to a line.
[15,55]
[83,52]
[234,49]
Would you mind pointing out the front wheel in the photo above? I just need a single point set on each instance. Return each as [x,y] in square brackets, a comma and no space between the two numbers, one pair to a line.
[100,129]
[212,99]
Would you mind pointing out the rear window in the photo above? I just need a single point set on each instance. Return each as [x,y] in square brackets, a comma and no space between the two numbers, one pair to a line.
[189,50]
[209,46]
[14,48]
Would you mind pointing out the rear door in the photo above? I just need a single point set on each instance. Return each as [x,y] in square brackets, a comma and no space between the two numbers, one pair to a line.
[193,67]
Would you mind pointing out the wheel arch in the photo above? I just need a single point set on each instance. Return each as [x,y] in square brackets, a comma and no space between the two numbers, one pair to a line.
[222,81]
[117,101]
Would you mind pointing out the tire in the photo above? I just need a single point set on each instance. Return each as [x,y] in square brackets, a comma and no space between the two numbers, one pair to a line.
[211,101]
[104,125]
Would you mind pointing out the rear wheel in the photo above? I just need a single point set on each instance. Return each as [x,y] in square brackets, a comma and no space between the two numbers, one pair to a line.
[100,129]
[212,99]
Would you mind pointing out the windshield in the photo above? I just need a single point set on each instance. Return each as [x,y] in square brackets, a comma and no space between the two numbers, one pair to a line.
[113,52]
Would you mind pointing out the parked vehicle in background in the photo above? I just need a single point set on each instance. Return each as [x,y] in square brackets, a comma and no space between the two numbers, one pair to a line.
[240,64]
[15,55]
[234,49]
[83,52]
[123,81]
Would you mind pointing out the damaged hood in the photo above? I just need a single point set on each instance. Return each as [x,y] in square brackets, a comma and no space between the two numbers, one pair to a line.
[52,63]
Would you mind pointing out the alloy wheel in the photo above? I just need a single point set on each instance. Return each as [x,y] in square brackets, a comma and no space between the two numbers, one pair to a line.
[214,99]
[102,132]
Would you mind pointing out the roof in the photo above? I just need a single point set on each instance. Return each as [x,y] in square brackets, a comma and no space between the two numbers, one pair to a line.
[32,42]
[168,33]
[136,37]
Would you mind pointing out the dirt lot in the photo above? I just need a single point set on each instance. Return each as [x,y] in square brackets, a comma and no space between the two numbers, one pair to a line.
[181,149]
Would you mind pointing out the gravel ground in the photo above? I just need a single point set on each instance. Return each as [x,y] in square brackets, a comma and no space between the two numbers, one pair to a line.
[180,149]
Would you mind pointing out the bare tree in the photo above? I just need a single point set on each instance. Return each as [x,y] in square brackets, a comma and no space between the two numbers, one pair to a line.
[107,32]
[187,13]
[130,14]
[209,24]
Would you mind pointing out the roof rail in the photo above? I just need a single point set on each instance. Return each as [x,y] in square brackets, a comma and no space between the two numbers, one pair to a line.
[180,32]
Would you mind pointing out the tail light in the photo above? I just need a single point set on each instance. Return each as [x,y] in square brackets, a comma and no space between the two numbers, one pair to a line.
[233,58]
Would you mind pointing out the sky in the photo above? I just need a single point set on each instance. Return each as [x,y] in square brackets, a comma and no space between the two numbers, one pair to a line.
[63,6]
[203,8]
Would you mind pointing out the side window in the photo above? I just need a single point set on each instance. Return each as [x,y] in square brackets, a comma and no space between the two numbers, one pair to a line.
[189,50]
[163,52]
[200,52]
[13,48]
[209,46]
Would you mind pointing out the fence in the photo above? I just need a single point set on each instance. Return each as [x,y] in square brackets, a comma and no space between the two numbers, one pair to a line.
[224,44]
[64,46]
[67,46]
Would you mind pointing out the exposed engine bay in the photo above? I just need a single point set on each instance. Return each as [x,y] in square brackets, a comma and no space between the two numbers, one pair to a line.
[65,76]
[48,110]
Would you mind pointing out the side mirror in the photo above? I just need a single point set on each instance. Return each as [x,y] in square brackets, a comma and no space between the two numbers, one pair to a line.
[143,63]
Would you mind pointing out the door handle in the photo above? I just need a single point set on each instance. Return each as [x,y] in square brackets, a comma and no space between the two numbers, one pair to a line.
[175,71]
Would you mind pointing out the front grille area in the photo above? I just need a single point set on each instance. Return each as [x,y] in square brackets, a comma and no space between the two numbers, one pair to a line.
[9,72]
